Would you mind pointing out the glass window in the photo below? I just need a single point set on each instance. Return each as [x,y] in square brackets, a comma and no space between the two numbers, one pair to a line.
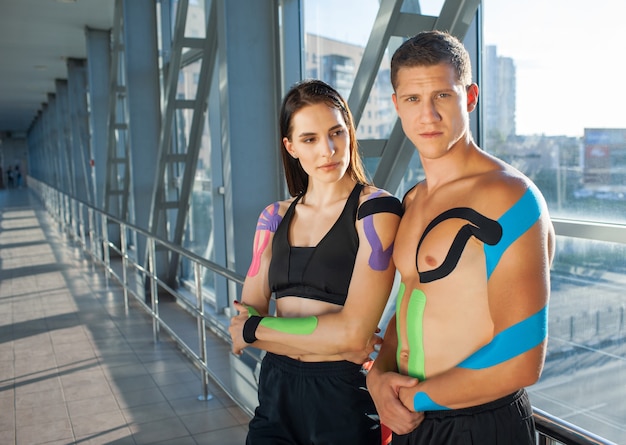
[584,377]
[543,105]
[200,227]
[196,21]
[334,49]
[542,113]
[346,22]
[550,108]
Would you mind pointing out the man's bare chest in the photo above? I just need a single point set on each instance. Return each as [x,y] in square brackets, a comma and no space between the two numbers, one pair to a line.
[430,246]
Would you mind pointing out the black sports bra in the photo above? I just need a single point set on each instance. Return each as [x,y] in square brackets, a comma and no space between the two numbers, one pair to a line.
[322,272]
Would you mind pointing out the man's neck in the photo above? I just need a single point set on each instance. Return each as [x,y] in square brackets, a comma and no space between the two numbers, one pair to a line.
[457,163]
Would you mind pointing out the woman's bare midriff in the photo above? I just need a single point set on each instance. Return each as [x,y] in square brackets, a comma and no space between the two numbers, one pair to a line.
[306,307]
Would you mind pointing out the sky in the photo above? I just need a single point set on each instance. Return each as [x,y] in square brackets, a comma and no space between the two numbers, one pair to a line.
[568,55]
[569,60]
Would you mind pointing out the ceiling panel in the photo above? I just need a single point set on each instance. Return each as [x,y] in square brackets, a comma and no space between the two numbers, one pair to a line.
[37,37]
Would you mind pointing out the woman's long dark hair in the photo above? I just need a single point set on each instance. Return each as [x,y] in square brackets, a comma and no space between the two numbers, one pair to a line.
[312,92]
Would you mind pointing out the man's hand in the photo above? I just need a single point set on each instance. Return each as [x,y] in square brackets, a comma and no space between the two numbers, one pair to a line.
[384,387]
[236,328]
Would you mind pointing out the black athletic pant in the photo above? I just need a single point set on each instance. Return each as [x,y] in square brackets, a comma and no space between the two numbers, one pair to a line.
[321,403]
[506,421]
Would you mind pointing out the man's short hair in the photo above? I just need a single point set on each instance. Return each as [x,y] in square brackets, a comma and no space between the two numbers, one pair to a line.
[430,48]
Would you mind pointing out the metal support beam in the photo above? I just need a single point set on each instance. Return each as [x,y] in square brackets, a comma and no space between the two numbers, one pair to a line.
[383,28]
[99,83]
[249,72]
[79,121]
[117,173]
[143,102]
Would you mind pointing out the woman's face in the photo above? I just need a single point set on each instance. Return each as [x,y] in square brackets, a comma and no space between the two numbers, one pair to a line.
[320,141]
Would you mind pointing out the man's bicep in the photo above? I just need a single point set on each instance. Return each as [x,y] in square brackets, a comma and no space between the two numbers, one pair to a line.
[520,284]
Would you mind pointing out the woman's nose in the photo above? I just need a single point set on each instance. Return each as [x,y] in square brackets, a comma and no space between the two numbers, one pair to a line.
[328,147]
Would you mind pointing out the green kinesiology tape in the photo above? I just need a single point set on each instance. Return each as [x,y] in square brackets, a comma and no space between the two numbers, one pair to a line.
[251,310]
[297,326]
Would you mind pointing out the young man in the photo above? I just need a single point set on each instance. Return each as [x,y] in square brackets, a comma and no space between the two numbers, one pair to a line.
[473,249]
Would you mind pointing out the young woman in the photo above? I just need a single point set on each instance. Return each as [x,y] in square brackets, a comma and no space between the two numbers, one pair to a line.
[325,254]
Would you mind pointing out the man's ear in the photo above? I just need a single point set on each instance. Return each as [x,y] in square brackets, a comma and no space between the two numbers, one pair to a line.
[472,97]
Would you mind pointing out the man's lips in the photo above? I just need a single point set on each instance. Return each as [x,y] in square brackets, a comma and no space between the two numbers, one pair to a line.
[431,134]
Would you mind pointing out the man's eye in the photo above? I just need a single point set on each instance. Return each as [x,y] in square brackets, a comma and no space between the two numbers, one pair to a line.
[411,99]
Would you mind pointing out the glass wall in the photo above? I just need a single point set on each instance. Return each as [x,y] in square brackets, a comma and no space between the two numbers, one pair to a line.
[334,49]
[545,112]
[552,108]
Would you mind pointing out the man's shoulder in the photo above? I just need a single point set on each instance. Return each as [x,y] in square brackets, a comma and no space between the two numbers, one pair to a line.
[410,194]
[506,178]
[500,189]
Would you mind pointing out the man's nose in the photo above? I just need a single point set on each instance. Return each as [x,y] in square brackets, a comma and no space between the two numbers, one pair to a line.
[428,112]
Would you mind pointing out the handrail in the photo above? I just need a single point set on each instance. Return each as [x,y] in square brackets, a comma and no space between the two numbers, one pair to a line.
[553,430]
[68,212]
[591,230]
[550,430]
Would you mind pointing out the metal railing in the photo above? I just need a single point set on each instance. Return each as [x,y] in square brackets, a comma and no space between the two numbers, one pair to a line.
[89,227]
[553,431]
[69,213]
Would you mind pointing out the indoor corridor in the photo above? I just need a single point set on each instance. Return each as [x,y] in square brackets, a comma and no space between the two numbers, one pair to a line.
[76,367]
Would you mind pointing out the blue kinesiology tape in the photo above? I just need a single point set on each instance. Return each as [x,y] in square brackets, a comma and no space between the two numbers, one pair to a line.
[511,342]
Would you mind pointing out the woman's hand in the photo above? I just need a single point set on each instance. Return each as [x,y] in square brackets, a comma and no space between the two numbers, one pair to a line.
[236,328]
[363,356]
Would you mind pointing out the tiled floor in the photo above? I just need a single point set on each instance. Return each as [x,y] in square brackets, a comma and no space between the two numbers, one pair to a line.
[75,366]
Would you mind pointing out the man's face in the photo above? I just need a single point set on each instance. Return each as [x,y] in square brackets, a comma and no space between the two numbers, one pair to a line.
[434,107]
